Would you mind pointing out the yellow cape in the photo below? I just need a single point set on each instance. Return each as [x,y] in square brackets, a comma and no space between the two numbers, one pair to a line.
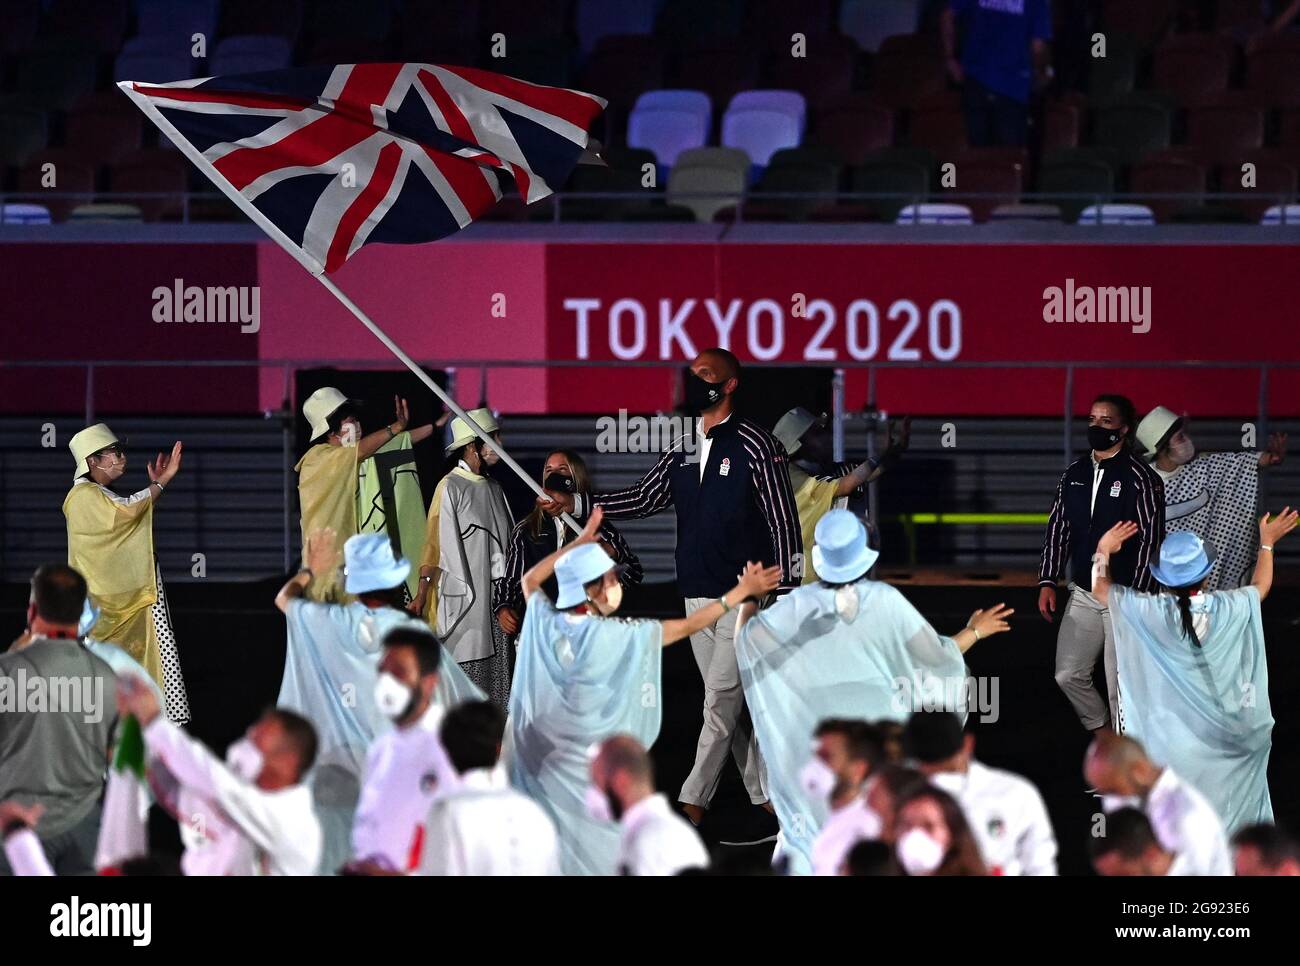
[813,498]
[327,491]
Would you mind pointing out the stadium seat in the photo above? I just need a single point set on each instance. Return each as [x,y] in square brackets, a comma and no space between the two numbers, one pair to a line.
[1225,134]
[105,212]
[1146,20]
[1002,180]
[177,18]
[342,18]
[1061,123]
[794,173]
[150,172]
[775,21]
[1273,74]
[72,174]
[532,19]
[906,179]
[921,157]
[1117,214]
[1275,183]
[702,170]
[826,73]
[870,22]
[155,60]
[18,22]
[1288,128]
[22,213]
[722,69]
[23,132]
[943,131]
[622,68]
[54,78]
[540,60]
[935,214]
[853,133]
[1025,212]
[668,123]
[762,122]
[1182,178]
[1073,183]
[437,31]
[900,77]
[598,19]
[329,51]
[250,54]
[683,22]
[1113,75]
[1282,215]
[1132,129]
[595,179]
[98,26]
[104,127]
[1193,67]
[283,18]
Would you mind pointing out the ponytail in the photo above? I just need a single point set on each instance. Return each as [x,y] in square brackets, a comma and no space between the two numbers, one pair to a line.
[1184,595]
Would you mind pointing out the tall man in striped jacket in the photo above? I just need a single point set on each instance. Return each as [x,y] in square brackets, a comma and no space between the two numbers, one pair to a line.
[734,504]
[1108,486]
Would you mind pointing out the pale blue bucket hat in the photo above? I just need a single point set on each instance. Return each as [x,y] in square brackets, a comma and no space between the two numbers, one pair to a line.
[370,565]
[576,569]
[1185,559]
[840,552]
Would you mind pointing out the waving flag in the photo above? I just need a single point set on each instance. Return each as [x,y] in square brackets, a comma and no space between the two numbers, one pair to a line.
[333,158]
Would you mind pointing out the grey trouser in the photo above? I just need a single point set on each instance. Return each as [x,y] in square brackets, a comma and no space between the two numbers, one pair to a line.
[1085,633]
[71,852]
[726,719]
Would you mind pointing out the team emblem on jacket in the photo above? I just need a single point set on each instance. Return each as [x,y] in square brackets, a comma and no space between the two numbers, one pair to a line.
[725,466]
[997,828]
[1114,488]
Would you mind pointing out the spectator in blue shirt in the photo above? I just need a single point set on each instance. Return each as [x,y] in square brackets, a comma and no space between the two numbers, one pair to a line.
[1003,53]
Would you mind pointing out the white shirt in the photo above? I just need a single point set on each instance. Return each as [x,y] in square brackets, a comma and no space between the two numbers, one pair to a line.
[844,828]
[706,444]
[485,827]
[1007,816]
[405,768]
[1187,825]
[1097,472]
[655,841]
[230,826]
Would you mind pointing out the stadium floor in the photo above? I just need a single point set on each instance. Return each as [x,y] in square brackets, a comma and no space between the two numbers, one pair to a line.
[231,642]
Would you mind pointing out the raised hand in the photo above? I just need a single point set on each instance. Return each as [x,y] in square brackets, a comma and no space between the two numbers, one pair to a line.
[403,412]
[590,533]
[1273,529]
[164,468]
[1114,538]
[991,621]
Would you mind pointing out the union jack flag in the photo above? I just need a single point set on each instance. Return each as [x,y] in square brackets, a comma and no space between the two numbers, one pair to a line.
[339,157]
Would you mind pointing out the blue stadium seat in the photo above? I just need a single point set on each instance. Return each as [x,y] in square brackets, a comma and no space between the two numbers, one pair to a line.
[668,123]
[760,123]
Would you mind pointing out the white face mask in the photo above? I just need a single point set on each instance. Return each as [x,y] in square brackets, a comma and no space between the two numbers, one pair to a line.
[1113,803]
[919,852]
[392,696]
[596,803]
[245,759]
[818,779]
[1182,453]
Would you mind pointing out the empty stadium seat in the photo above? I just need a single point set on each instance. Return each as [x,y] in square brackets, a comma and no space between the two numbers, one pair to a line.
[1132,129]
[853,133]
[343,18]
[282,18]
[1275,183]
[1000,179]
[1184,179]
[1273,74]
[1282,215]
[871,22]
[776,21]
[722,69]
[900,77]
[151,172]
[105,212]
[250,54]
[907,180]
[98,26]
[23,132]
[73,174]
[104,127]
[1117,214]
[596,19]
[622,68]
[155,60]
[1025,212]
[670,122]
[1074,183]
[1114,74]
[329,51]
[682,22]
[1193,66]
[1146,20]
[943,131]
[795,173]
[177,18]
[1061,123]
[23,213]
[699,171]
[1225,134]
[54,78]
[438,31]
[935,214]
[762,122]
[596,179]
[826,73]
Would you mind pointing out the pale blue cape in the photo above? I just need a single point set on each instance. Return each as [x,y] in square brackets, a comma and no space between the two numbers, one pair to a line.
[804,659]
[579,680]
[1203,711]
[329,678]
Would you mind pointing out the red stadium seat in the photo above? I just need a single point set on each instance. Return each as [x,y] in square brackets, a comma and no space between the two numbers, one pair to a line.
[853,133]
[943,131]
[438,31]
[1146,20]
[1273,73]
[1181,178]
[622,68]
[1061,123]
[104,127]
[72,173]
[1193,67]
[900,78]
[1226,134]
[1275,183]
[775,21]
[999,176]
[149,172]
[721,68]
[825,74]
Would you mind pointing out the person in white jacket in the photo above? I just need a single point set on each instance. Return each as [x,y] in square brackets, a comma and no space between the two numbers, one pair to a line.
[252,814]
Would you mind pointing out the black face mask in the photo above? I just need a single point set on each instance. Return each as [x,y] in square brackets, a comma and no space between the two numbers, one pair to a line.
[1101,439]
[702,395]
[559,483]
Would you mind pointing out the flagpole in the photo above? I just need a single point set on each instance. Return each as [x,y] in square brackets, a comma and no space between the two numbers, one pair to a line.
[318,271]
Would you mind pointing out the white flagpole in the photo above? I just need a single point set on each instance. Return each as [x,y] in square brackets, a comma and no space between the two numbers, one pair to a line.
[318,270]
